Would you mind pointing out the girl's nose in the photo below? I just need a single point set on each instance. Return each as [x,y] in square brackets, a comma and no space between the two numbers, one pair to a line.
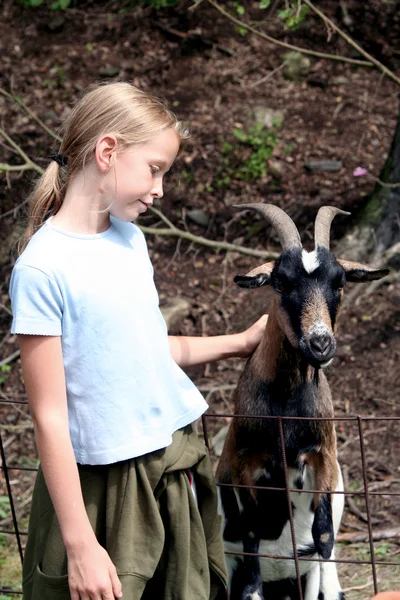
[157,191]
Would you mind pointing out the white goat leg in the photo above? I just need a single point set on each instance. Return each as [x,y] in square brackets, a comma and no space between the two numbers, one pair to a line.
[313,579]
[330,586]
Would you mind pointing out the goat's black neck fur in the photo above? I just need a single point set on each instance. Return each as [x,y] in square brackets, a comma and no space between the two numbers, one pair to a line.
[294,391]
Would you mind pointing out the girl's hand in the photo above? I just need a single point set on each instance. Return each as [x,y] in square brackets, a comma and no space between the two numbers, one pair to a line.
[252,336]
[91,574]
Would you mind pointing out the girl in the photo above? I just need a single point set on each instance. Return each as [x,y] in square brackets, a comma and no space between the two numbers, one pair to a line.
[113,509]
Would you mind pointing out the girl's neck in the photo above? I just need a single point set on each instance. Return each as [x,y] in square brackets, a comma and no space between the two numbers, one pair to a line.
[82,210]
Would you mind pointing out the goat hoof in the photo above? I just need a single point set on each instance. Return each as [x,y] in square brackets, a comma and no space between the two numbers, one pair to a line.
[337,596]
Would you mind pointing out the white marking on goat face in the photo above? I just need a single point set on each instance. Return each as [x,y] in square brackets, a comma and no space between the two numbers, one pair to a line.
[319,328]
[310,260]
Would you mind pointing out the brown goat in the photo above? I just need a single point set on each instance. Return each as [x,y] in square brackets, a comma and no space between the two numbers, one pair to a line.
[284,378]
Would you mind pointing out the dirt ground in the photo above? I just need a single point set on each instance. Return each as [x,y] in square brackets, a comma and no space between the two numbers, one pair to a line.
[211,74]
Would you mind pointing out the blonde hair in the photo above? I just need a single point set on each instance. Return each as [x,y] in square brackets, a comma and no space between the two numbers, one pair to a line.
[132,115]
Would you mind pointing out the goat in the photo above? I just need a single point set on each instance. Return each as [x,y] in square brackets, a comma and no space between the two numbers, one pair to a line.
[283,377]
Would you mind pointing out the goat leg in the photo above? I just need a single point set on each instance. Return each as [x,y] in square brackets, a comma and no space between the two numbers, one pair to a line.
[253,589]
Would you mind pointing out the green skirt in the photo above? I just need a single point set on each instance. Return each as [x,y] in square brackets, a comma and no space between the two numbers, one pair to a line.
[164,544]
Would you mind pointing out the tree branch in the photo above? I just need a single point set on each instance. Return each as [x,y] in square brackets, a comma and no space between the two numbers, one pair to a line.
[9,359]
[30,113]
[363,536]
[350,41]
[28,165]
[285,44]
[175,232]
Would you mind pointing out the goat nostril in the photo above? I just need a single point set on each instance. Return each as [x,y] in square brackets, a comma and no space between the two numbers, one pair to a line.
[321,344]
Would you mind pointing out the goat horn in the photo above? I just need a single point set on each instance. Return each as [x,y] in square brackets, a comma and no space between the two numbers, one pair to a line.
[325,216]
[282,223]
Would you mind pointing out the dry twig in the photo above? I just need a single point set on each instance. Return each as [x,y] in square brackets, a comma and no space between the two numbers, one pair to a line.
[363,536]
[263,35]
[350,41]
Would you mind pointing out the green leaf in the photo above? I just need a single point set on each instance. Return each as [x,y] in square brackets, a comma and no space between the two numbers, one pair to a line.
[265,3]
[284,14]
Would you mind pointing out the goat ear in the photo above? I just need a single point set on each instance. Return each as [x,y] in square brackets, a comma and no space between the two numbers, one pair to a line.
[359,273]
[256,277]
[244,281]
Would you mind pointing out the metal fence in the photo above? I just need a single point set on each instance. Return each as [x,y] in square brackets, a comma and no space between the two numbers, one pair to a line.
[19,535]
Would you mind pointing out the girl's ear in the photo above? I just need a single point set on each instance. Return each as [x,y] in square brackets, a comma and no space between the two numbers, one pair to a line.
[105,149]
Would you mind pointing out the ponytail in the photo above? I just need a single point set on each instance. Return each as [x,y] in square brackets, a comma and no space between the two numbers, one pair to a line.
[45,200]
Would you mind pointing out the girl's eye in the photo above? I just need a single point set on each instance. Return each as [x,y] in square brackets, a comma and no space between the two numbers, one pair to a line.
[154,169]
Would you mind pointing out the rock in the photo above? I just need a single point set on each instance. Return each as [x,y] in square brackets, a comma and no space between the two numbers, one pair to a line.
[218,440]
[323,165]
[268,117]
[50,114]
[175,311]
[276,168]
[57,23]
[339,80]
[297,66]
[109,71]
[199,217]
[326,194]
[318,82]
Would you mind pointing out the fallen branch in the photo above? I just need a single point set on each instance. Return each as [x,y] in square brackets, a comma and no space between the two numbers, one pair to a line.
[28,165]
[268,76]
[15,428]
[263,35]
[30,112]
[363,536]
[13,210]
[350,41]
[380,485]
[358,293]
[175,232]
[369,583]
[9,359]
[353,508]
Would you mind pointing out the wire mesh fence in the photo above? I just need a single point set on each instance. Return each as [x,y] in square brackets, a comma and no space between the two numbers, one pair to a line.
[373,561]
[15,533]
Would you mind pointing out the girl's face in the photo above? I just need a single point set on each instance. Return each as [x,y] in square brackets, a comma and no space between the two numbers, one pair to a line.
[136,175]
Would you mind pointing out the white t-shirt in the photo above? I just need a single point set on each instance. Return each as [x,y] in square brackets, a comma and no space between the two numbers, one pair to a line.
[126,395]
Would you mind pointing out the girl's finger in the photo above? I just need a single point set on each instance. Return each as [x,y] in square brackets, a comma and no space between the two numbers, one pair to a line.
[107,596]
[116,584]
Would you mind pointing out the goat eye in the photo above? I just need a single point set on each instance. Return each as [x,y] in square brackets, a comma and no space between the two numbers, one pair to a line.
[283,287]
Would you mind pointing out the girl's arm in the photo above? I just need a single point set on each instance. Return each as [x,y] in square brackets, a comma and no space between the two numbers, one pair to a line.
[189,351]
[90,570]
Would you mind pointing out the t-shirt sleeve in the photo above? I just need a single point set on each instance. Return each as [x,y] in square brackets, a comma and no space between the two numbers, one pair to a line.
[36,302]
